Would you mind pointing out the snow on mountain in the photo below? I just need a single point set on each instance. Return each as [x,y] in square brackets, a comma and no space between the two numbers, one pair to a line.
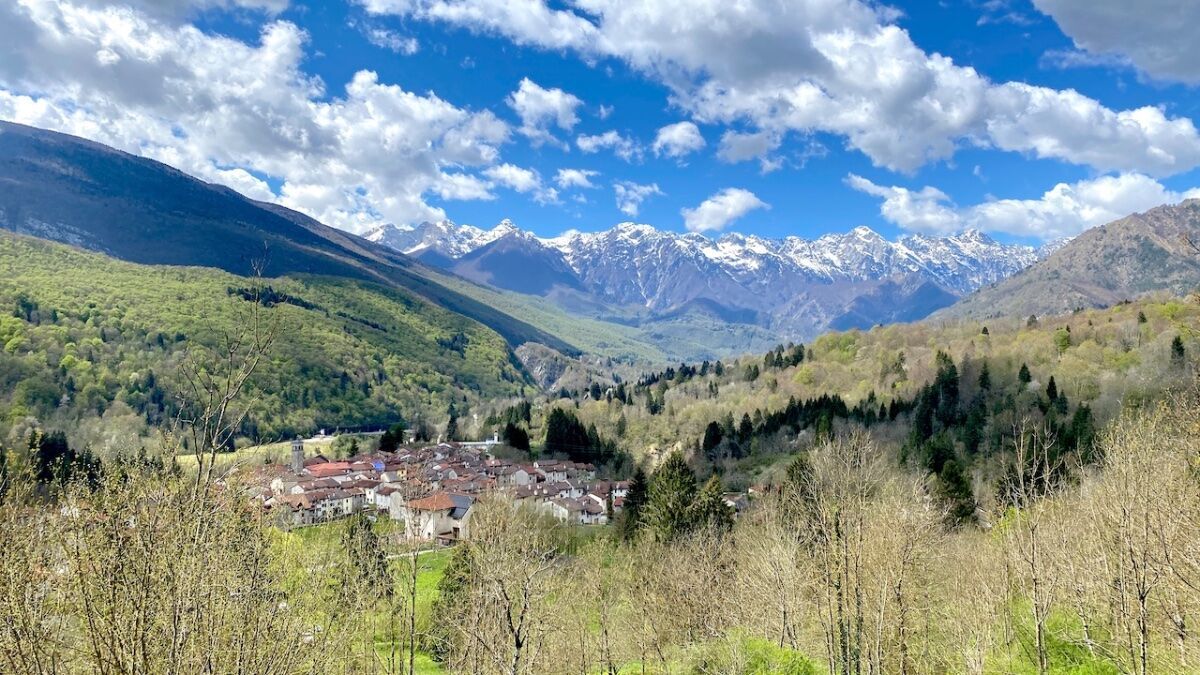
[443,237]
[801,286]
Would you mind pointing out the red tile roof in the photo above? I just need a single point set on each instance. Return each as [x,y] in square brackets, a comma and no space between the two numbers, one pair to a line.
[438,501]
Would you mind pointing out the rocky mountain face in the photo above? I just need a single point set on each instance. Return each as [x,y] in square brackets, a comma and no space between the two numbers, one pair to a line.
[1144,252]
[797,287]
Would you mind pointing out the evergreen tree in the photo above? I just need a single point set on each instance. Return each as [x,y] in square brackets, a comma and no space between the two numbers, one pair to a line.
[1052,390]
[393,437]
[745,428]
[1023,375]
[672,491]
[1080,434]
[516,437]
[452,424]
[636,497]
[1177,352]
[985,377]
[712,438]
[566,435]
[946,386]
[709,508]
[954,491]
[973,426]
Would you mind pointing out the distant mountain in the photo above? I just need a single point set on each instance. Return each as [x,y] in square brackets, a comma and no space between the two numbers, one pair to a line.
[71,190]
[793,286]
[1101,267]
[517,261]
[438,241]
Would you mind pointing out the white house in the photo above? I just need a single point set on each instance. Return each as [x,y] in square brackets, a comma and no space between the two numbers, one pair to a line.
[442,516]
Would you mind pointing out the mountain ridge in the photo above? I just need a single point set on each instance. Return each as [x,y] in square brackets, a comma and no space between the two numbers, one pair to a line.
[795,286]
[68,189]
[1118,261]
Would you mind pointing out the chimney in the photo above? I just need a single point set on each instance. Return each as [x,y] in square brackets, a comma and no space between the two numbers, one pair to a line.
[297,455]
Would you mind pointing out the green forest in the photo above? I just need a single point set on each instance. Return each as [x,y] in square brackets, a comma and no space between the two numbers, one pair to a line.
[97,348]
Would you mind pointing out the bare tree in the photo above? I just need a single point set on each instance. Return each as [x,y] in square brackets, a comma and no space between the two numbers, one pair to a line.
[1032,478]
[508,617]
[210,416]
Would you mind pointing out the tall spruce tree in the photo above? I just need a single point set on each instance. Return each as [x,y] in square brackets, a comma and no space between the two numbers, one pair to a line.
[634,506]
[709,508]
[672,491]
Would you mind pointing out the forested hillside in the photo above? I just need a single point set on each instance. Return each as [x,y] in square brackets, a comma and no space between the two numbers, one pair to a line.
[950,389]
[68,189]
[97,347]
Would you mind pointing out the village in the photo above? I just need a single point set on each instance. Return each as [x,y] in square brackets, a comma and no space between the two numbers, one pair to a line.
[430,489]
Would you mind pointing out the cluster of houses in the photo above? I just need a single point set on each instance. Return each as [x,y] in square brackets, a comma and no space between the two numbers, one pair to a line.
[432,489]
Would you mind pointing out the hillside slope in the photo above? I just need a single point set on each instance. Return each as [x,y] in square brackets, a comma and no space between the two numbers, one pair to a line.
[86,335]
[1101,267]
[67,189]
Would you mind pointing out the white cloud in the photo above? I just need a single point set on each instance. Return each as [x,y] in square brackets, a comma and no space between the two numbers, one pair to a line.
[242,114]
[575,178]
[522,180]
[604,111]
[740,147]
[1157,36]
[1062,211]
[622,146]
[178,9]
[834,66]
[631,195]
[721,209]
[539,107]
[678,140]
[925,210]
[391,40]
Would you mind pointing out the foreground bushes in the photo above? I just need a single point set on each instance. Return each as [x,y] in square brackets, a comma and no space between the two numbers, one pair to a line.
[850,567]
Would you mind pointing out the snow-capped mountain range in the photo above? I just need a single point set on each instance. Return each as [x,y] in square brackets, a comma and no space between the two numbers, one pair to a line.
[796,286]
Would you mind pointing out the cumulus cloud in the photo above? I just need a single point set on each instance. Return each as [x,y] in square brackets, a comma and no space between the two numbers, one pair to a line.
[740,147]
[522,180]
[721,209]
[678,140]
[630,195]
[1062,211]
[835,66]
[243,114]
[575,178]
[1158,37]
[539,108]
[621,146]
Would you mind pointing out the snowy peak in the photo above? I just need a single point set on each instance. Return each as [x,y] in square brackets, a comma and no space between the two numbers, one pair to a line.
[801,285]
[961,263]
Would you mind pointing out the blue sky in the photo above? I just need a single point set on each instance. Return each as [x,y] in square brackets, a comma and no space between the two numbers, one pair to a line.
[257,94]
